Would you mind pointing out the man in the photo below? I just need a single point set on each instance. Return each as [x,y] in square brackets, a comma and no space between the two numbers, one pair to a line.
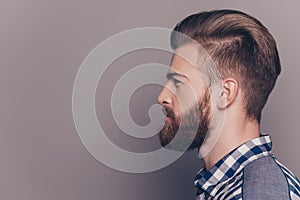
[230,65]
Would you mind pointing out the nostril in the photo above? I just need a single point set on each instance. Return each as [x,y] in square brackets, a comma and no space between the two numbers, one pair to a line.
[165,102]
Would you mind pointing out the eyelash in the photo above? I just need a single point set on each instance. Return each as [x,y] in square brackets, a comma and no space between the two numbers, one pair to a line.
[177,82]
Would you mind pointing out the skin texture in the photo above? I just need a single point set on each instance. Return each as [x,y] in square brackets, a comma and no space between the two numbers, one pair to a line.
[180,110]
[222,121]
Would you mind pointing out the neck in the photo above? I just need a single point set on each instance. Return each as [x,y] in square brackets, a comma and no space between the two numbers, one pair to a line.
[231,136]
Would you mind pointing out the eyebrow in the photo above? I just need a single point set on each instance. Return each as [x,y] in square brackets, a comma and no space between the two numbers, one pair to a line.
[170,75]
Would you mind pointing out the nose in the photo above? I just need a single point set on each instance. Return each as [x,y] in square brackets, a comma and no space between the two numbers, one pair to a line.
[164,98]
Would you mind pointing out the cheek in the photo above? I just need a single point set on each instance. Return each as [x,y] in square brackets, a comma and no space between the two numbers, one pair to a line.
[176,107]
[187,98]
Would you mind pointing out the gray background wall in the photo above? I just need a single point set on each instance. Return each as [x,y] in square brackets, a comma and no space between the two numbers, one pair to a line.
[42,46]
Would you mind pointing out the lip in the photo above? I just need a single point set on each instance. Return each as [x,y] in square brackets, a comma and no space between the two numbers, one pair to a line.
[168,120]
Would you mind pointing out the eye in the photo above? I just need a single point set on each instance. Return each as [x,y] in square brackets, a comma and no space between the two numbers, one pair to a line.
[177,82]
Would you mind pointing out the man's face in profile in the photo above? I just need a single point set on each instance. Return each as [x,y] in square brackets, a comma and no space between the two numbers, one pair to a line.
[181,109]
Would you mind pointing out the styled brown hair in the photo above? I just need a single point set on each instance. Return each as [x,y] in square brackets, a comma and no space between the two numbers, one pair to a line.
[241,47]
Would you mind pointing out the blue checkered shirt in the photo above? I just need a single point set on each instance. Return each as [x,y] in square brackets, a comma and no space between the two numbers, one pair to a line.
[248,172]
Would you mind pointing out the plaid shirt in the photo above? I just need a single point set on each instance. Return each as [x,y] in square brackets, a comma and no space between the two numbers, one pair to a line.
[226,179]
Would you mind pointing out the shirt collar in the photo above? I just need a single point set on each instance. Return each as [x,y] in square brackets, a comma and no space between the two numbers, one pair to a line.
[211,181]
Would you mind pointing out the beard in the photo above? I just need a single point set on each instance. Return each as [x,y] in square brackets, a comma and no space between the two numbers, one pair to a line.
[193,127]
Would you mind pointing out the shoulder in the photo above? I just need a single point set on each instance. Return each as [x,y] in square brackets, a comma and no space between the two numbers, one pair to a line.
[264,179]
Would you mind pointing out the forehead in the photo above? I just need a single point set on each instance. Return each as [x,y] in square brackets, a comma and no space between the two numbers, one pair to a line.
[184,60]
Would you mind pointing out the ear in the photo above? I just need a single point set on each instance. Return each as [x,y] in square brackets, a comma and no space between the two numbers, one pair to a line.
[230,88]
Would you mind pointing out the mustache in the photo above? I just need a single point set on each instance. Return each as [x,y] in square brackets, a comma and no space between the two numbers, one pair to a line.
[168,112]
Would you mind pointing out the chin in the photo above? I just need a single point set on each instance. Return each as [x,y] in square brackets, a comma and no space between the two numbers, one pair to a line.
[187,141]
